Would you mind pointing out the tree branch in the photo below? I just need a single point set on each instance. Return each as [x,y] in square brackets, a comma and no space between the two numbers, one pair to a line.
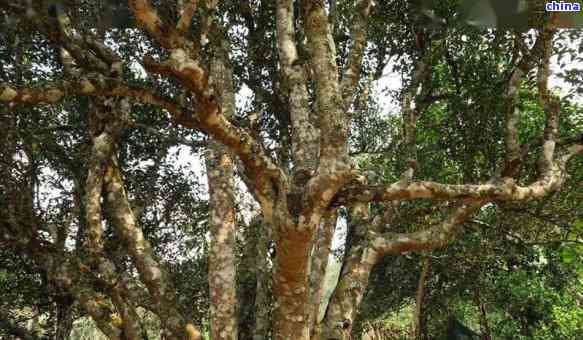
[329,103]
[502,190]
[335,168]
[550,105]
[90,85]
[513,149]
[151,272]
[429,239]
[304,135]
[186,14]
[358,34]
[148,18]
[415,100]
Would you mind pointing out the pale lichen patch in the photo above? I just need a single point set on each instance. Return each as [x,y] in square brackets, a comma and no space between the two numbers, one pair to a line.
[8,94]
[87,86]
[54,95]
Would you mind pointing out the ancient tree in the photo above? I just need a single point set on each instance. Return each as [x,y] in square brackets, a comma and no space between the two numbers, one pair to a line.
[308,66]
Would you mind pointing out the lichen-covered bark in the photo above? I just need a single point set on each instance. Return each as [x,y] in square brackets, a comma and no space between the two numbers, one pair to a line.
[353,281]
[332,120]
[319,258]
[358,34]
[222,221]
[304,135]
[264,293]
[291,285]
[293,197]
[151,272]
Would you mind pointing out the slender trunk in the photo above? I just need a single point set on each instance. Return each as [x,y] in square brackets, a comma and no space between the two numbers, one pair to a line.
[419,317]
[222,222]
[263,297]
[359,261]
[343,307]
[152,274]
[319,264]
[484,327]
[247,273]
[222,284]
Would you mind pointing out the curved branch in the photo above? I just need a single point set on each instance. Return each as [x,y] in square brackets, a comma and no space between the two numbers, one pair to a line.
[210,119]
[429,239]
[502,190]
[260,168]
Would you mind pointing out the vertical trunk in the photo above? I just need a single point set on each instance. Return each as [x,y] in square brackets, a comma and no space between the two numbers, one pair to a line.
[263,297]
[359,261]
[222,244]
[291,284]
[247,273]
[222,225]
[64,317]
[484,327]
[419,317]
[319,264]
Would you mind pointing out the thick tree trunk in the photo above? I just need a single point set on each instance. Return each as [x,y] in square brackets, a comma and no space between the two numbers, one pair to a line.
[291,285]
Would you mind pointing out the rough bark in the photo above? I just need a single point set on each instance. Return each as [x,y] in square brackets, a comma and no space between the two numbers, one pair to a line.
[291,285]
[294,198]
[353,281]
[319,258]
[151,272]
[11,328]
[222,221]
[264,292]
[351,73]
[304,135]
